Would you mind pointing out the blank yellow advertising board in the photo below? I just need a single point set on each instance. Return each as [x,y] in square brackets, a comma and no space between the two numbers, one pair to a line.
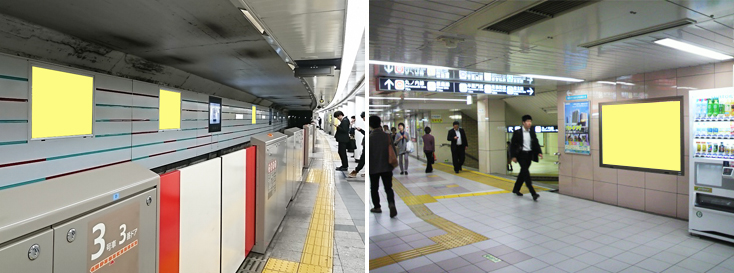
[254,115]
[643,134]
[62,104]
[169,110]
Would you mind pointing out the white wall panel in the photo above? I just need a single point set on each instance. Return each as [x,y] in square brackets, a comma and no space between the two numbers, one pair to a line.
[233,211]
[115,115]
[14,67]
[200,217]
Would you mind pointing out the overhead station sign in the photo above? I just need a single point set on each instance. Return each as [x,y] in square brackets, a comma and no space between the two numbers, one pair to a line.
[395,84]
[428,79]
[398,84]
[451,74]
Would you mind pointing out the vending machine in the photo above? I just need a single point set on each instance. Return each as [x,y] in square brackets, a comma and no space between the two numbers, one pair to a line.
[711,159]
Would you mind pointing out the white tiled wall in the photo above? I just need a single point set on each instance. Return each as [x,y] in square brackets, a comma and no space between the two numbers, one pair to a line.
[581,175]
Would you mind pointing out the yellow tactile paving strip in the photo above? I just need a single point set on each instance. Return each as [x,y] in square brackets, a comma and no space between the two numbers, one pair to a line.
[469,194]
[486,179]
[455,236]
[318,251]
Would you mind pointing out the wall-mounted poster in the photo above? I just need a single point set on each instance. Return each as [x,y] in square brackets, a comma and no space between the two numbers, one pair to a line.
[576,121]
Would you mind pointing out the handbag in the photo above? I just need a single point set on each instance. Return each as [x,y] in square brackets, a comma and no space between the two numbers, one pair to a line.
[434,156]
[409,147]
[391,158]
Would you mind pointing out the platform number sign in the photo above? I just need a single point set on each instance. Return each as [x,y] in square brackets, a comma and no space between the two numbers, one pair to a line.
[272,167]
[112,241]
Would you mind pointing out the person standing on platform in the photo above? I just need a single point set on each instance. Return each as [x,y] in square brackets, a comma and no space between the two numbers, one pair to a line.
[457,136]
[401,142]
[429,147]
[360,165]
[320,123]
[380,167]
[385,128]
[525,148]
[342,137]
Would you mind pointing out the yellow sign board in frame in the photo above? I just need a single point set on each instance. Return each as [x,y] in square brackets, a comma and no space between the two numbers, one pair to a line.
[169,110]
[62,104]
[254,115]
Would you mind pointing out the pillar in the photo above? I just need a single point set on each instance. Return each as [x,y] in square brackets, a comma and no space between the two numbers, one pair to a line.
[492,135]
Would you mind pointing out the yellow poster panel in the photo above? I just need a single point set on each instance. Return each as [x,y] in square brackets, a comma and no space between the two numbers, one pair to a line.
[642,135]
[62,104]
[170,110]
[254,115]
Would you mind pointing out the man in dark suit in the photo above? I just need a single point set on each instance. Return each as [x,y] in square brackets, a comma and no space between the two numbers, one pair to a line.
[342,137]
[525,148]
[457,136]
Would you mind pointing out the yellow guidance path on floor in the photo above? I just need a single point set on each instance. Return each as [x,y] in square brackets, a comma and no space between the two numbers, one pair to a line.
[486,179]
[455,236]
[318,251]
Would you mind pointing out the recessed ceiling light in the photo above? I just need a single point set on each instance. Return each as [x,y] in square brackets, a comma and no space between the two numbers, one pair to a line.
[565,79]
[693,49]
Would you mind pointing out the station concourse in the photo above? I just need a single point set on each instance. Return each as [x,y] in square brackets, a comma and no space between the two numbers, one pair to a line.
[620,115]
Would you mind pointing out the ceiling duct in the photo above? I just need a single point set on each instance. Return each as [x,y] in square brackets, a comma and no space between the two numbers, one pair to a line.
[545,10]
[639,32]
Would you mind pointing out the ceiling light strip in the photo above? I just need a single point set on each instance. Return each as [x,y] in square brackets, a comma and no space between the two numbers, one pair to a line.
[565,79]
[693,49]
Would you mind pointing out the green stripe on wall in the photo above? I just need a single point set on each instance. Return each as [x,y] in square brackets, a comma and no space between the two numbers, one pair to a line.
[125,106]
[22,183]
[5,77]
[13,142]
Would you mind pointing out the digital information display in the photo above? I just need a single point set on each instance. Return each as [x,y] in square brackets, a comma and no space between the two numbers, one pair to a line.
[215,114]
[397,84]
[628,143]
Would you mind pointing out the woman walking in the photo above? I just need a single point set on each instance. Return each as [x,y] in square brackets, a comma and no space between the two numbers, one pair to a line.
[401,143]
[429,146]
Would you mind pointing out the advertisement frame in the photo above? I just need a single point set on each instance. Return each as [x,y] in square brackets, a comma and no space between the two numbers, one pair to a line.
[588,127]
[679,99]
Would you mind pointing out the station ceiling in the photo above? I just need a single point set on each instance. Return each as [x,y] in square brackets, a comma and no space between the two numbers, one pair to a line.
[409,31]
[211,39]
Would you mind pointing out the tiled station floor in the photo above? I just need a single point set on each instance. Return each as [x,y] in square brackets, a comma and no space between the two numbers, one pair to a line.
[501,232]
[324,229]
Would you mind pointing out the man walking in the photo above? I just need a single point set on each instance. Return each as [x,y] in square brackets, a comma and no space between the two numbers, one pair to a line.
[360,165]
[457,136]
[380,166]
[525,148]
[342,137]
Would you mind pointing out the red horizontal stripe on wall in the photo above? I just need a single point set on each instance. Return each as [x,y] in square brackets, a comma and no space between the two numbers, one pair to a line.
[13,100]
[170,222]
[197,146]
[87,169]
[203,136]
[169,141]
[22,163]
[162,153]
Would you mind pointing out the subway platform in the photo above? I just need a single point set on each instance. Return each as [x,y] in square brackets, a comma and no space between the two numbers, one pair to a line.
[471,222]
[324,231]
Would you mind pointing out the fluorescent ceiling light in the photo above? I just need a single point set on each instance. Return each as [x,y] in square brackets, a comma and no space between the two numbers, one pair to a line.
[552,78]
[606,82]
[468,100]
[625,83]
[406,64]
[692,49]
[354,29]
[253,21]
[398,98]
